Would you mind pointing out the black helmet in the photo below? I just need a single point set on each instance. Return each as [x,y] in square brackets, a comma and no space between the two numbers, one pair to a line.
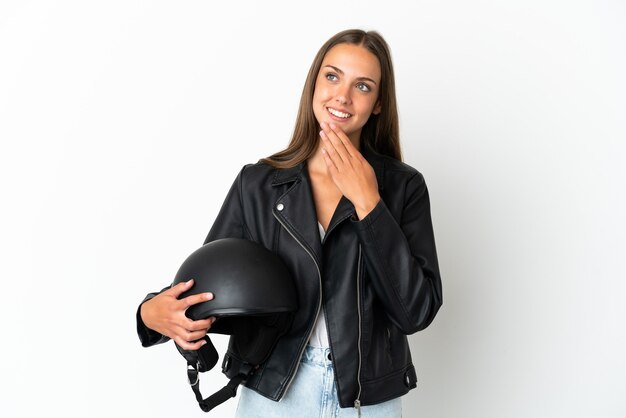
[254,300]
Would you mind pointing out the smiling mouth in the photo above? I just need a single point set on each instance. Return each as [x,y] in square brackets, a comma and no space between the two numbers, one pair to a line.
[338,114]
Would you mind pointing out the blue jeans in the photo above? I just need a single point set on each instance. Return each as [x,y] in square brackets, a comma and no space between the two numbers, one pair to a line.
[312,394]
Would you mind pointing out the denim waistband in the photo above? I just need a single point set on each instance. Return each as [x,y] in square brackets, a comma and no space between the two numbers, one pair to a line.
[316,355]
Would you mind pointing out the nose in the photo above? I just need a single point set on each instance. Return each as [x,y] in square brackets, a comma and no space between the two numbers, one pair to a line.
[343,95]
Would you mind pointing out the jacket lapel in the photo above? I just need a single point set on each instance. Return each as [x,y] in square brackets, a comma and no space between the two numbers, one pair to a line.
[295,209]
[343,211]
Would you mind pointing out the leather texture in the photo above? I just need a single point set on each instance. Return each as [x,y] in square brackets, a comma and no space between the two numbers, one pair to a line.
[379,275]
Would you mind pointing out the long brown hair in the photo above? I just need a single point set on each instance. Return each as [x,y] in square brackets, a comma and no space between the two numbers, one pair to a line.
[381,132]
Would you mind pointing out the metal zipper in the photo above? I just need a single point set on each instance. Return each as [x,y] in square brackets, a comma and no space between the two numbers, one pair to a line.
[319,275]
[357,402]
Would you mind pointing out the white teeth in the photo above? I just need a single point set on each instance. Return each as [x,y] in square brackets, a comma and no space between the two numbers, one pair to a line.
[338,113]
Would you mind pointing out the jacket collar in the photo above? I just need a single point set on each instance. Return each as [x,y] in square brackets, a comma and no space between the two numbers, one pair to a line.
[288,175]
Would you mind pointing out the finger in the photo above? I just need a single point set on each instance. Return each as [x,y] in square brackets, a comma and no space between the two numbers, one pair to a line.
[195,299]
[186,345]
[329,162]
[350,149]
[180,288]
[339,147]
[201,324]
[195,335]
[330,150]
[180,333]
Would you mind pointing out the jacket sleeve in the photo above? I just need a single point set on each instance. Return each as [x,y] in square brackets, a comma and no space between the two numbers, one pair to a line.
[230,220]
[228,224]
[401,259]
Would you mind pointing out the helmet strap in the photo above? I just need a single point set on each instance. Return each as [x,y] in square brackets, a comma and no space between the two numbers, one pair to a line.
[219,397]
[195,366]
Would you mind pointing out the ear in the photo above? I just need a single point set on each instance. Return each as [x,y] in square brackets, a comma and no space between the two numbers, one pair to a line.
[377,108]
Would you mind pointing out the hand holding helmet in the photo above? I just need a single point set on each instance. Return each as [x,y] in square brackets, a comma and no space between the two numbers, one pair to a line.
[165,314]
[255,302]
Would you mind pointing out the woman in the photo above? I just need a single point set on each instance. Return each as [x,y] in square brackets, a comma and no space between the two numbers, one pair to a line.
[352,223]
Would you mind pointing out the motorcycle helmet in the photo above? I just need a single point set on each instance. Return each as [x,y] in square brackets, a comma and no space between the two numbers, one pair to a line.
[254,301]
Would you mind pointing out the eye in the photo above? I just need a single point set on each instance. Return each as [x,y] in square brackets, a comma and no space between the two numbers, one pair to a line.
[363,87]
[331,76]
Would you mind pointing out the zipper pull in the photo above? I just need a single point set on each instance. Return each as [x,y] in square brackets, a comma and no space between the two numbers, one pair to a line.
[357,406]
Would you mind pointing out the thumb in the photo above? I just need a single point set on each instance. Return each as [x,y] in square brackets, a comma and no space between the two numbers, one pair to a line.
[180,288]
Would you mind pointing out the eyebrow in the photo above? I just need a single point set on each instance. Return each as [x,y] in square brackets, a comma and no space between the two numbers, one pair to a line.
[341,72]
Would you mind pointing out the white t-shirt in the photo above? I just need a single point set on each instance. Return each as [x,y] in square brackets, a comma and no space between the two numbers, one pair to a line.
[319,337]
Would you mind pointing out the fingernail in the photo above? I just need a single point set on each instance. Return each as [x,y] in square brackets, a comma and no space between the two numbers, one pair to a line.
[189,281]
[332,125]
[323,125]
[203,342]
[209,296]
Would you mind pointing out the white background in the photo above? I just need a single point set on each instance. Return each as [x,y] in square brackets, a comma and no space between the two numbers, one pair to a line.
[123,124]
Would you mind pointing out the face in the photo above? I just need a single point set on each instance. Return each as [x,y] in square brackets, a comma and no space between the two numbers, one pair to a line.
[346,88]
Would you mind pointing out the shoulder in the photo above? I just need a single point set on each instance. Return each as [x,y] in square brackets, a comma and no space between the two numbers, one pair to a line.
[259,175]
[251,170]
[252,174]
[258,170]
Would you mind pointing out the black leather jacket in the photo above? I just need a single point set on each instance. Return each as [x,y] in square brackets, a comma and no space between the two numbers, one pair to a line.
[379,275]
